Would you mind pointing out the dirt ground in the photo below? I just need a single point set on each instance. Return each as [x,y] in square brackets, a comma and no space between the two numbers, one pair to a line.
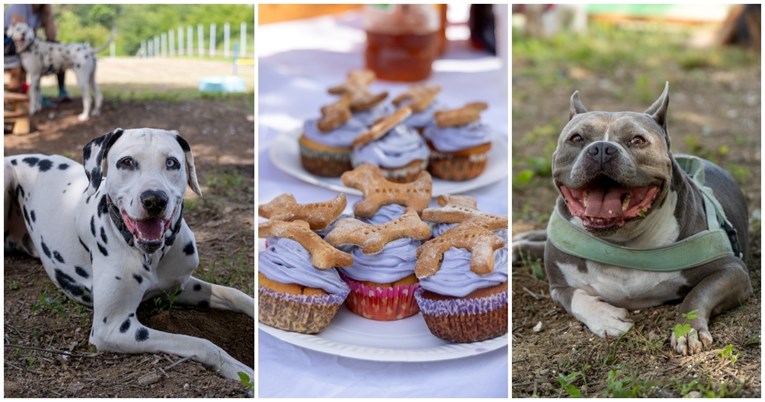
[46,336]
[713,112]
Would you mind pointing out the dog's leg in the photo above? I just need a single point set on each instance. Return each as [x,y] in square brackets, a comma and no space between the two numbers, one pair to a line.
[727,288]
[200,293]
[529,246]
[99,99]
[35,97]
[83,82]
[117,329]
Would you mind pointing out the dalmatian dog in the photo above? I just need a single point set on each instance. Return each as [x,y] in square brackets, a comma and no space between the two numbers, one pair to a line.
[112,235]
[39,58]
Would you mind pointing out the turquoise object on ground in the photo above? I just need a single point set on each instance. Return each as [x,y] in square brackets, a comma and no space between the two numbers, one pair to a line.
[222,84]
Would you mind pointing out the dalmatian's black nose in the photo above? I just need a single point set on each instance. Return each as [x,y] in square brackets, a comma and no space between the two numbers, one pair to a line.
[154,202]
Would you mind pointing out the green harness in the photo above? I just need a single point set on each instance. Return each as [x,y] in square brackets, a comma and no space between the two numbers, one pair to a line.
[718,240]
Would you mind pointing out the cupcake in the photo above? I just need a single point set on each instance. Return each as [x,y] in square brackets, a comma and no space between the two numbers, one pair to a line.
[459,144]
[294,294]
[381,278]
[459,301]
[325,145]
[400,153]
[422,100]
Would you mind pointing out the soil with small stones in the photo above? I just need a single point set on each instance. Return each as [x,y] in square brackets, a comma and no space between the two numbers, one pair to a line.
[46,336]
[720,110]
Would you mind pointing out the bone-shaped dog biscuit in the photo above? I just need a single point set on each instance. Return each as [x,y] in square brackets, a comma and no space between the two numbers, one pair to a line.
[480,241]
[419,97]
[323,255]
[335,115]
[372,239]
[378,191]
[318,215]
[382,126]
[355,86]
[462,208]
[457,117]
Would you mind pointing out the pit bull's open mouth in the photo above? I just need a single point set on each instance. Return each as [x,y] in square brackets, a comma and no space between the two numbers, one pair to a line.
[605,204]
[147,232]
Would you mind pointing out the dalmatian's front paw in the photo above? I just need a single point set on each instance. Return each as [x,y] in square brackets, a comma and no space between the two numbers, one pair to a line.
[82,117]
[691,343]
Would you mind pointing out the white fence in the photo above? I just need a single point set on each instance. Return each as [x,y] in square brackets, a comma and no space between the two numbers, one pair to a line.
[172,43]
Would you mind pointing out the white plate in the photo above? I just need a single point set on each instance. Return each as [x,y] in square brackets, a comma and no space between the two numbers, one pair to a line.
[407,340]
[285,155]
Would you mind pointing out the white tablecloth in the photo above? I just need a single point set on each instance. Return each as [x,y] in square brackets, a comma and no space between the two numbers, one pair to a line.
[298,61]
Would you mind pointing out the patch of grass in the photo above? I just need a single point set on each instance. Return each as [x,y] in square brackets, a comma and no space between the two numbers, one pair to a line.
[683,329]
[727,353]
[229,184]
[246,380]
[621,385]
[13,285]
[711,389]
[50,303]
[532,267]
[231,270]
[568,382]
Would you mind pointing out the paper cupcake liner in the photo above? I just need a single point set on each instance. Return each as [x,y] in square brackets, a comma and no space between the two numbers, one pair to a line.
[457,168]
[406,174]
[307,314]
[325,163]
[381,303]
[465,320]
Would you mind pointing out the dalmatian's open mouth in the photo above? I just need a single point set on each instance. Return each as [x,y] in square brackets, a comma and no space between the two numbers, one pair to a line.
[604,204]
[146,231]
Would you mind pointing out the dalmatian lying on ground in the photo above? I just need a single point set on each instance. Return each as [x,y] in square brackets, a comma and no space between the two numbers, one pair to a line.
[113,235]
[39,58]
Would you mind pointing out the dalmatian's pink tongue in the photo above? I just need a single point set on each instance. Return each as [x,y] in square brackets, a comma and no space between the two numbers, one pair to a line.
[149,229]
[604,204]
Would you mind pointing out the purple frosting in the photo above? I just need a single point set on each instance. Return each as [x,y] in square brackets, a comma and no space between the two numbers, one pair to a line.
[422,119]
[385,214]
[394,262]
[396,148]
[286,261]
[451,139]
[454,277]
[340,137]
[370,116]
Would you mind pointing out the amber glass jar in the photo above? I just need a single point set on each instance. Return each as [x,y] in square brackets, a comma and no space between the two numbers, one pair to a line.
[402,40]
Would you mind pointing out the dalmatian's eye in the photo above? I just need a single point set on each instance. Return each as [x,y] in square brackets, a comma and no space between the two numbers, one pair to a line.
[126,163]
[173,164]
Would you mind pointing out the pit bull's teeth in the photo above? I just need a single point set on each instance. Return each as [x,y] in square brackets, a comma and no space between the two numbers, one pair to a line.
[586,199]
[626,203]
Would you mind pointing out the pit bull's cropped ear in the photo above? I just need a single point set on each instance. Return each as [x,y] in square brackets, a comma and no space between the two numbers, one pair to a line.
[191,170]
[576,106]
[94,158]
[659,108]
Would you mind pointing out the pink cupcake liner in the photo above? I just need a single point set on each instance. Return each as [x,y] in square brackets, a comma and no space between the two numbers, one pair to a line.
[381,303]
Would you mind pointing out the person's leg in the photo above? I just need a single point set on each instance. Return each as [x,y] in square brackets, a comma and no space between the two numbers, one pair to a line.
[63,95]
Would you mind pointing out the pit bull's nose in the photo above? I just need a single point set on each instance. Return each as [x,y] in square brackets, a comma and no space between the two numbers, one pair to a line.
[154,202]
[602,152]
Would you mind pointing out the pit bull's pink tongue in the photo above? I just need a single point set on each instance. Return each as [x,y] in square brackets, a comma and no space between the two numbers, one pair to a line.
[150,229]
[604,204]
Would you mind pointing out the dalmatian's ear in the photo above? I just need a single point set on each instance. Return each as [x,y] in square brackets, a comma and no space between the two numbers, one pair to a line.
[191,170]
[94,158]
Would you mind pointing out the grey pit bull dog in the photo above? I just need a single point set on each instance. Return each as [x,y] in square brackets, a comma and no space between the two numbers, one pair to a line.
[632,228]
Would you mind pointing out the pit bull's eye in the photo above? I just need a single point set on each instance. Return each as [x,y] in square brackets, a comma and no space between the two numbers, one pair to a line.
[126,163]
[576,139]
[638,140]
[172,164]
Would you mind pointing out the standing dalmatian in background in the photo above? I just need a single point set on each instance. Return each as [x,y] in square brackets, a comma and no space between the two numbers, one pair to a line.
[113,235]
[40,58]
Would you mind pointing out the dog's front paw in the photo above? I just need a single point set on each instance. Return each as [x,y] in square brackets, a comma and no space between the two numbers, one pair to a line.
[600,317]
[691,343]
[82,117]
